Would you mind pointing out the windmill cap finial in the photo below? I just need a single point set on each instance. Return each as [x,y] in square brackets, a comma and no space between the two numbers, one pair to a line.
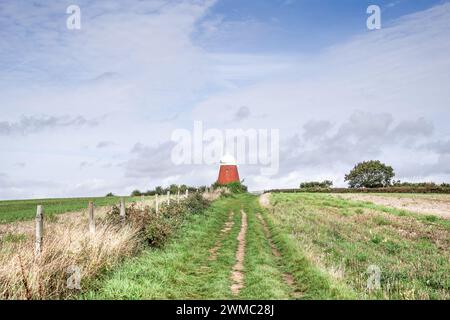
[228,159]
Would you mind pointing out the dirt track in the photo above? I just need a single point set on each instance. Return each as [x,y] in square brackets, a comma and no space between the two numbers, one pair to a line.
[225,230]
[287,277]
[237,275]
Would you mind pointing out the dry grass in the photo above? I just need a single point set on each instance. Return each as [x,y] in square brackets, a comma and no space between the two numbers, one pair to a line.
[215,194]
[438,205]
[67,244]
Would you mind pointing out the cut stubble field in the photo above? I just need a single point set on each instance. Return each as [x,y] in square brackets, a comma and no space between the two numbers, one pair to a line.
[424,204]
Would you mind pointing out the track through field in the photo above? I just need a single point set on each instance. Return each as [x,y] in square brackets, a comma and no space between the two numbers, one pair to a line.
[222,255]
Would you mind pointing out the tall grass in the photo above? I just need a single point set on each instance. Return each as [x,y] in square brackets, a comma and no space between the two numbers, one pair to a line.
[67,246]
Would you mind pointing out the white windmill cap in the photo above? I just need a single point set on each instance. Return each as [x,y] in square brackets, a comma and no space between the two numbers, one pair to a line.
[228,159]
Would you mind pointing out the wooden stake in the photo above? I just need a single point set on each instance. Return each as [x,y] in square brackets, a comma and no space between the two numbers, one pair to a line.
[187,193]
[122,209]
[91,217]
[156,203]
[168,198]
[39,230]
[178,196]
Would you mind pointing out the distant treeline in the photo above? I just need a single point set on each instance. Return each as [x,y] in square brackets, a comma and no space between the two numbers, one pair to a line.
[234,187]
[173,188]
[404,187]
[371,176]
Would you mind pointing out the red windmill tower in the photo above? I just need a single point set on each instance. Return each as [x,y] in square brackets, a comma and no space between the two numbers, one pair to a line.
[228,170]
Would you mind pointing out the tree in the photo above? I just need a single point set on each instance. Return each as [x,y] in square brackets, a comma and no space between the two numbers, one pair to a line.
[370,174]
[173,188]
[159,190]
[136,193]
[326,184]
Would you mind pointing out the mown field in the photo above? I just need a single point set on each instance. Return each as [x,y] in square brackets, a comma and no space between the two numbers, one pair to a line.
[343,238]
[19,210]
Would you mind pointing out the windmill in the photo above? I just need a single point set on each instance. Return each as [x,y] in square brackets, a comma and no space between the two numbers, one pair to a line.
[228,171]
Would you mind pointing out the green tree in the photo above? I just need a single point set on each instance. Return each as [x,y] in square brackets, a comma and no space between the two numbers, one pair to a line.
[326,184]
[370,174]
[173,188]
[136,193]
[159,190]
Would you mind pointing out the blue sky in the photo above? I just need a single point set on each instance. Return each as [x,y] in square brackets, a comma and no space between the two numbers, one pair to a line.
[91,111]
[300,25]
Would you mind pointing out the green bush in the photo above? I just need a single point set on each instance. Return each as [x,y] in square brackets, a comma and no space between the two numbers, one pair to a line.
[136,193]
[326,184]
[156,227]
[195,203]
[233,187]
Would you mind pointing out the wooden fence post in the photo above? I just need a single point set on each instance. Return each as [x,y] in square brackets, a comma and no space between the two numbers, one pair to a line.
[91,218]
[187,193]
[39,230]
[156,203]
[122,209]
[168,198]
[178,196]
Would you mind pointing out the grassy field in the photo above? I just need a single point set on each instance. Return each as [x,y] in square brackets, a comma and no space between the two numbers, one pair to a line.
[19,210]
[298,246]
[343,238]
[184,269]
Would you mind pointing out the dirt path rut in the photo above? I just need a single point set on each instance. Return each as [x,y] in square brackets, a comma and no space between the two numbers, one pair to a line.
[287,277]
[223,233]
[237,275]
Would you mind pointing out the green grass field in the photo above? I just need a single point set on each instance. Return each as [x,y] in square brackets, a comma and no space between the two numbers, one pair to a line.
[304,246]
[19,210]
[325,244]
[182,269]
[343,238]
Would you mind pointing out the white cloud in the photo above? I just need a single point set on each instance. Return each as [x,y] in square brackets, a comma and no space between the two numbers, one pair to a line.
[135,66]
